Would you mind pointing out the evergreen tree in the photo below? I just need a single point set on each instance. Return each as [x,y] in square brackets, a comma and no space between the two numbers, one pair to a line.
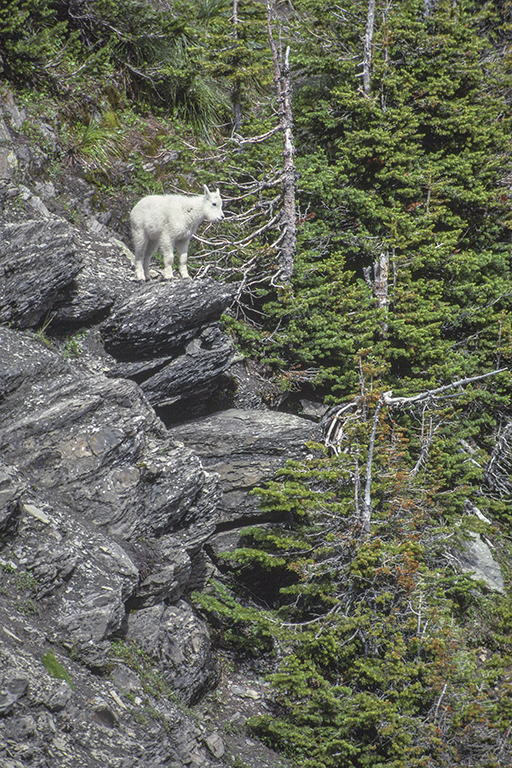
[376,638]
[414,169]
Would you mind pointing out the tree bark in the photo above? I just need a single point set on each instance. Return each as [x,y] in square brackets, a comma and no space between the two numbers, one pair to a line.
[235,94]
[367,47]
[366,512]
[288,241]
[380,285]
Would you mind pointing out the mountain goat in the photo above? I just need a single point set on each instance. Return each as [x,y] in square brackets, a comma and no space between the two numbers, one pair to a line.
[164,221]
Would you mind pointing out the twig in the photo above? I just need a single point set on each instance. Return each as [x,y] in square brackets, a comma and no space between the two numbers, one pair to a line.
[438,704]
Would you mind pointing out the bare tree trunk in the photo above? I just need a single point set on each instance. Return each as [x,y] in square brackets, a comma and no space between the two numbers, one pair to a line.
[385,43]
[288,241]
[235,94]
[380,285]
[366,511]
[367,47]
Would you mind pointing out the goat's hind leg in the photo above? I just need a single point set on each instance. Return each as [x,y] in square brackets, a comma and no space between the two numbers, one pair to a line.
[182,250]
[150,249]
[143,251]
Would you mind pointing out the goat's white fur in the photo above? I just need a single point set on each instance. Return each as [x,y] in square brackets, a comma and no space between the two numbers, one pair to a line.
[164,221]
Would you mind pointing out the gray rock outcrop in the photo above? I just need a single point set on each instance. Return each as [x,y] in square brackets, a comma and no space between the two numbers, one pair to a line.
[166,338]
[38,261]
[90,721]
[245,449]
[163,335]
[474,557]
[102,512]
[94,442]
[179,640]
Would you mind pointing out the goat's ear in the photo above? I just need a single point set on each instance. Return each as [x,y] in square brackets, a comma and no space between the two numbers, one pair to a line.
[218,192]
[206,190]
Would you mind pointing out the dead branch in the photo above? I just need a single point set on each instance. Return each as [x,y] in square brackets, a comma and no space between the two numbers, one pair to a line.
[335,434]
[242,140]
[431,394]
[499,469]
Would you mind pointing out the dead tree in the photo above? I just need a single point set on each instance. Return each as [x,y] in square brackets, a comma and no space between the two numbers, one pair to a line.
[288,239]
[367,47]
[336,434]
[235,94]
[380,284]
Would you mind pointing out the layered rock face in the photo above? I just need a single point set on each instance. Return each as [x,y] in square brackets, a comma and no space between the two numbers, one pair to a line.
[245,448]
[102,511]
[108,514]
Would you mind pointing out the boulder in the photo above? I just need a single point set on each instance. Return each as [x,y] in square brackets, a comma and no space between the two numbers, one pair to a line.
[205,358]
[158,318]
[83,577]
[245,449]
[475,557]
[96,444]
[38,261]
[164,572]
[180,641]
[13,686]
[106,276]
[166,338]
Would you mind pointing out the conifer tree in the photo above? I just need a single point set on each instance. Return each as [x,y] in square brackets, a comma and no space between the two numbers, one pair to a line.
[411,172]
[377,634]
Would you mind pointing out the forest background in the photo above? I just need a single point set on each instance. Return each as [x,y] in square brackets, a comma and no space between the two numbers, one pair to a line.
[364,153]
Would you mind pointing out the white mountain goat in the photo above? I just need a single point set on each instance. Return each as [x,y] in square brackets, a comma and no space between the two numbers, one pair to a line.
[164,221]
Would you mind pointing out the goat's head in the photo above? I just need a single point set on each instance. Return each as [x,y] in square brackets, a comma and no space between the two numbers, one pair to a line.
[212,205]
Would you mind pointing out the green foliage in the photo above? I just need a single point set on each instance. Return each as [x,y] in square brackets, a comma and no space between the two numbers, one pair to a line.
[244,628]
[30,35]
[73,345]
[55,668]
[97,146]
[323,323]
[25,580]
[414,171]
[376,672]
[382,662]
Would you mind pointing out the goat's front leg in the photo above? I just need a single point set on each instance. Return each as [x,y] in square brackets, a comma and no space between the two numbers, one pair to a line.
[182,250]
